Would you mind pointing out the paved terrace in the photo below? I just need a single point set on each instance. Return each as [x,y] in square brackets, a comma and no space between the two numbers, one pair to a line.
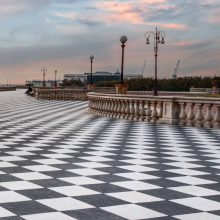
[59,163]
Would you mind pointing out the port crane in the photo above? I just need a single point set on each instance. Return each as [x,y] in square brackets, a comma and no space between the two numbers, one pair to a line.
[174,76]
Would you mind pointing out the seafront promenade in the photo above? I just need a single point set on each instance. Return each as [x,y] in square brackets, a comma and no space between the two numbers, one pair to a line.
[58,162]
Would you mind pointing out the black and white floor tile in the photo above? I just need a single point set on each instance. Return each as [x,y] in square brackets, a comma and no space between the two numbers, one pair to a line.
[59,163]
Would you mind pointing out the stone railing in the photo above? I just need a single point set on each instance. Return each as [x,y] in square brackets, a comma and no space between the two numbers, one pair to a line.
[7,88]
[61,94]
[187,111]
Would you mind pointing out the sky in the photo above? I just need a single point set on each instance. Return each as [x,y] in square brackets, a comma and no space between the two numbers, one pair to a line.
[62,34]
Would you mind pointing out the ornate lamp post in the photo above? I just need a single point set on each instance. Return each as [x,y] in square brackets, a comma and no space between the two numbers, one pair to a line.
[44,70]
[159,38]
[123,40]
[91,85]
[121,87]
[55,82]
[91,61]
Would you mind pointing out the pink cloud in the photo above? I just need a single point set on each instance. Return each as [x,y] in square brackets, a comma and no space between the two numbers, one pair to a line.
[175,26]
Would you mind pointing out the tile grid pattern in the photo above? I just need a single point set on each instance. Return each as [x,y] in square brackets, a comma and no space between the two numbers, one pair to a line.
[57,162]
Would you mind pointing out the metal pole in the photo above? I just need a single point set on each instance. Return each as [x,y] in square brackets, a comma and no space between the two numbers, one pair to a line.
[122,64]
[91,81]
[44,84]
[155,77]
[55,83]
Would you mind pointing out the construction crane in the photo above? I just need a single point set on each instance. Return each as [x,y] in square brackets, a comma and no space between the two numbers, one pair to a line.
[143,68]
[174,76]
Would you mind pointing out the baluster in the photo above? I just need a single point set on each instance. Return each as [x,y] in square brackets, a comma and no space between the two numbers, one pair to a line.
[123,108]
[132,112]
[148,112]
[109,107]
[127,110]
[112,107]
[191,115]
[142,110]
[154,112]
[103,107]
[217,117]
[115,108]
[119,108]
[183,114]
[208,117]
[199,115]
[137,110]
[160,114]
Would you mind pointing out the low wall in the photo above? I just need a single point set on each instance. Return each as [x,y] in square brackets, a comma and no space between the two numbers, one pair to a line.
[61,94]
[7,88]
[186,111]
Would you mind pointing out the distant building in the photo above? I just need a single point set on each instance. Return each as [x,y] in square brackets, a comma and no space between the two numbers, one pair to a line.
[81,77]
[39,83]
[99,76]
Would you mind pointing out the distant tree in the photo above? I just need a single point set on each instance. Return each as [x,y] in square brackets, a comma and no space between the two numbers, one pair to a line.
[180,84]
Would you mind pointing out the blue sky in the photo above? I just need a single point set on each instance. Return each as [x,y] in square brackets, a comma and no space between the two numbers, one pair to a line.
[62,34]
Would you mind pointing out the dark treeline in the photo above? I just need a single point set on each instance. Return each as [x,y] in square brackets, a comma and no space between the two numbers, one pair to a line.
[147,84]
[179,84]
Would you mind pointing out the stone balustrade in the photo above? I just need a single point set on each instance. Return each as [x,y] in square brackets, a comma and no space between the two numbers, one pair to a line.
[7,88]
[186,111]
[61,94]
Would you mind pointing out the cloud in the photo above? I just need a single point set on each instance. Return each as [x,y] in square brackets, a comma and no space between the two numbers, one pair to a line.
[11,7]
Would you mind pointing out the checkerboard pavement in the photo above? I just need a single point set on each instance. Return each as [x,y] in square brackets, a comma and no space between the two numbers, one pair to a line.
[59,163]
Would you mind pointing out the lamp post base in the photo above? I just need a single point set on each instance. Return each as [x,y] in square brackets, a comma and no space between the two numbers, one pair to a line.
[121,88]
[91,87]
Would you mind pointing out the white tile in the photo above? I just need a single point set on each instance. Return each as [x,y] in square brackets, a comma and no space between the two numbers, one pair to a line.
[133,212]
[6,164]
[139,156]
[41,168]
[10,196]
[191,180]
[138,161]
[81,180]
[12,158]
[19,185]
[195,190]
[199,203]
[181,159]
[184,165]
[20,153]
[91,165]
[74,191]
[48,216]
[5,213]
[136,185]
[187,172]
[96,158]
[63,151]
[137,168]
[65,204]
[136,176]
[134,197]
[198,216]
[57,156]
[50,161]
[87,172]
[31,176]
[100,153]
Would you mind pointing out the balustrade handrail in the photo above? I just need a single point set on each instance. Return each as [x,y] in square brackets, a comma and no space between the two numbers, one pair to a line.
[195,99]
[192,111]
[61,94]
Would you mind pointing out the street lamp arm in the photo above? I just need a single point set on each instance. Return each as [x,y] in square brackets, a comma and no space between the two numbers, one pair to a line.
[162,33]
[149,33]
